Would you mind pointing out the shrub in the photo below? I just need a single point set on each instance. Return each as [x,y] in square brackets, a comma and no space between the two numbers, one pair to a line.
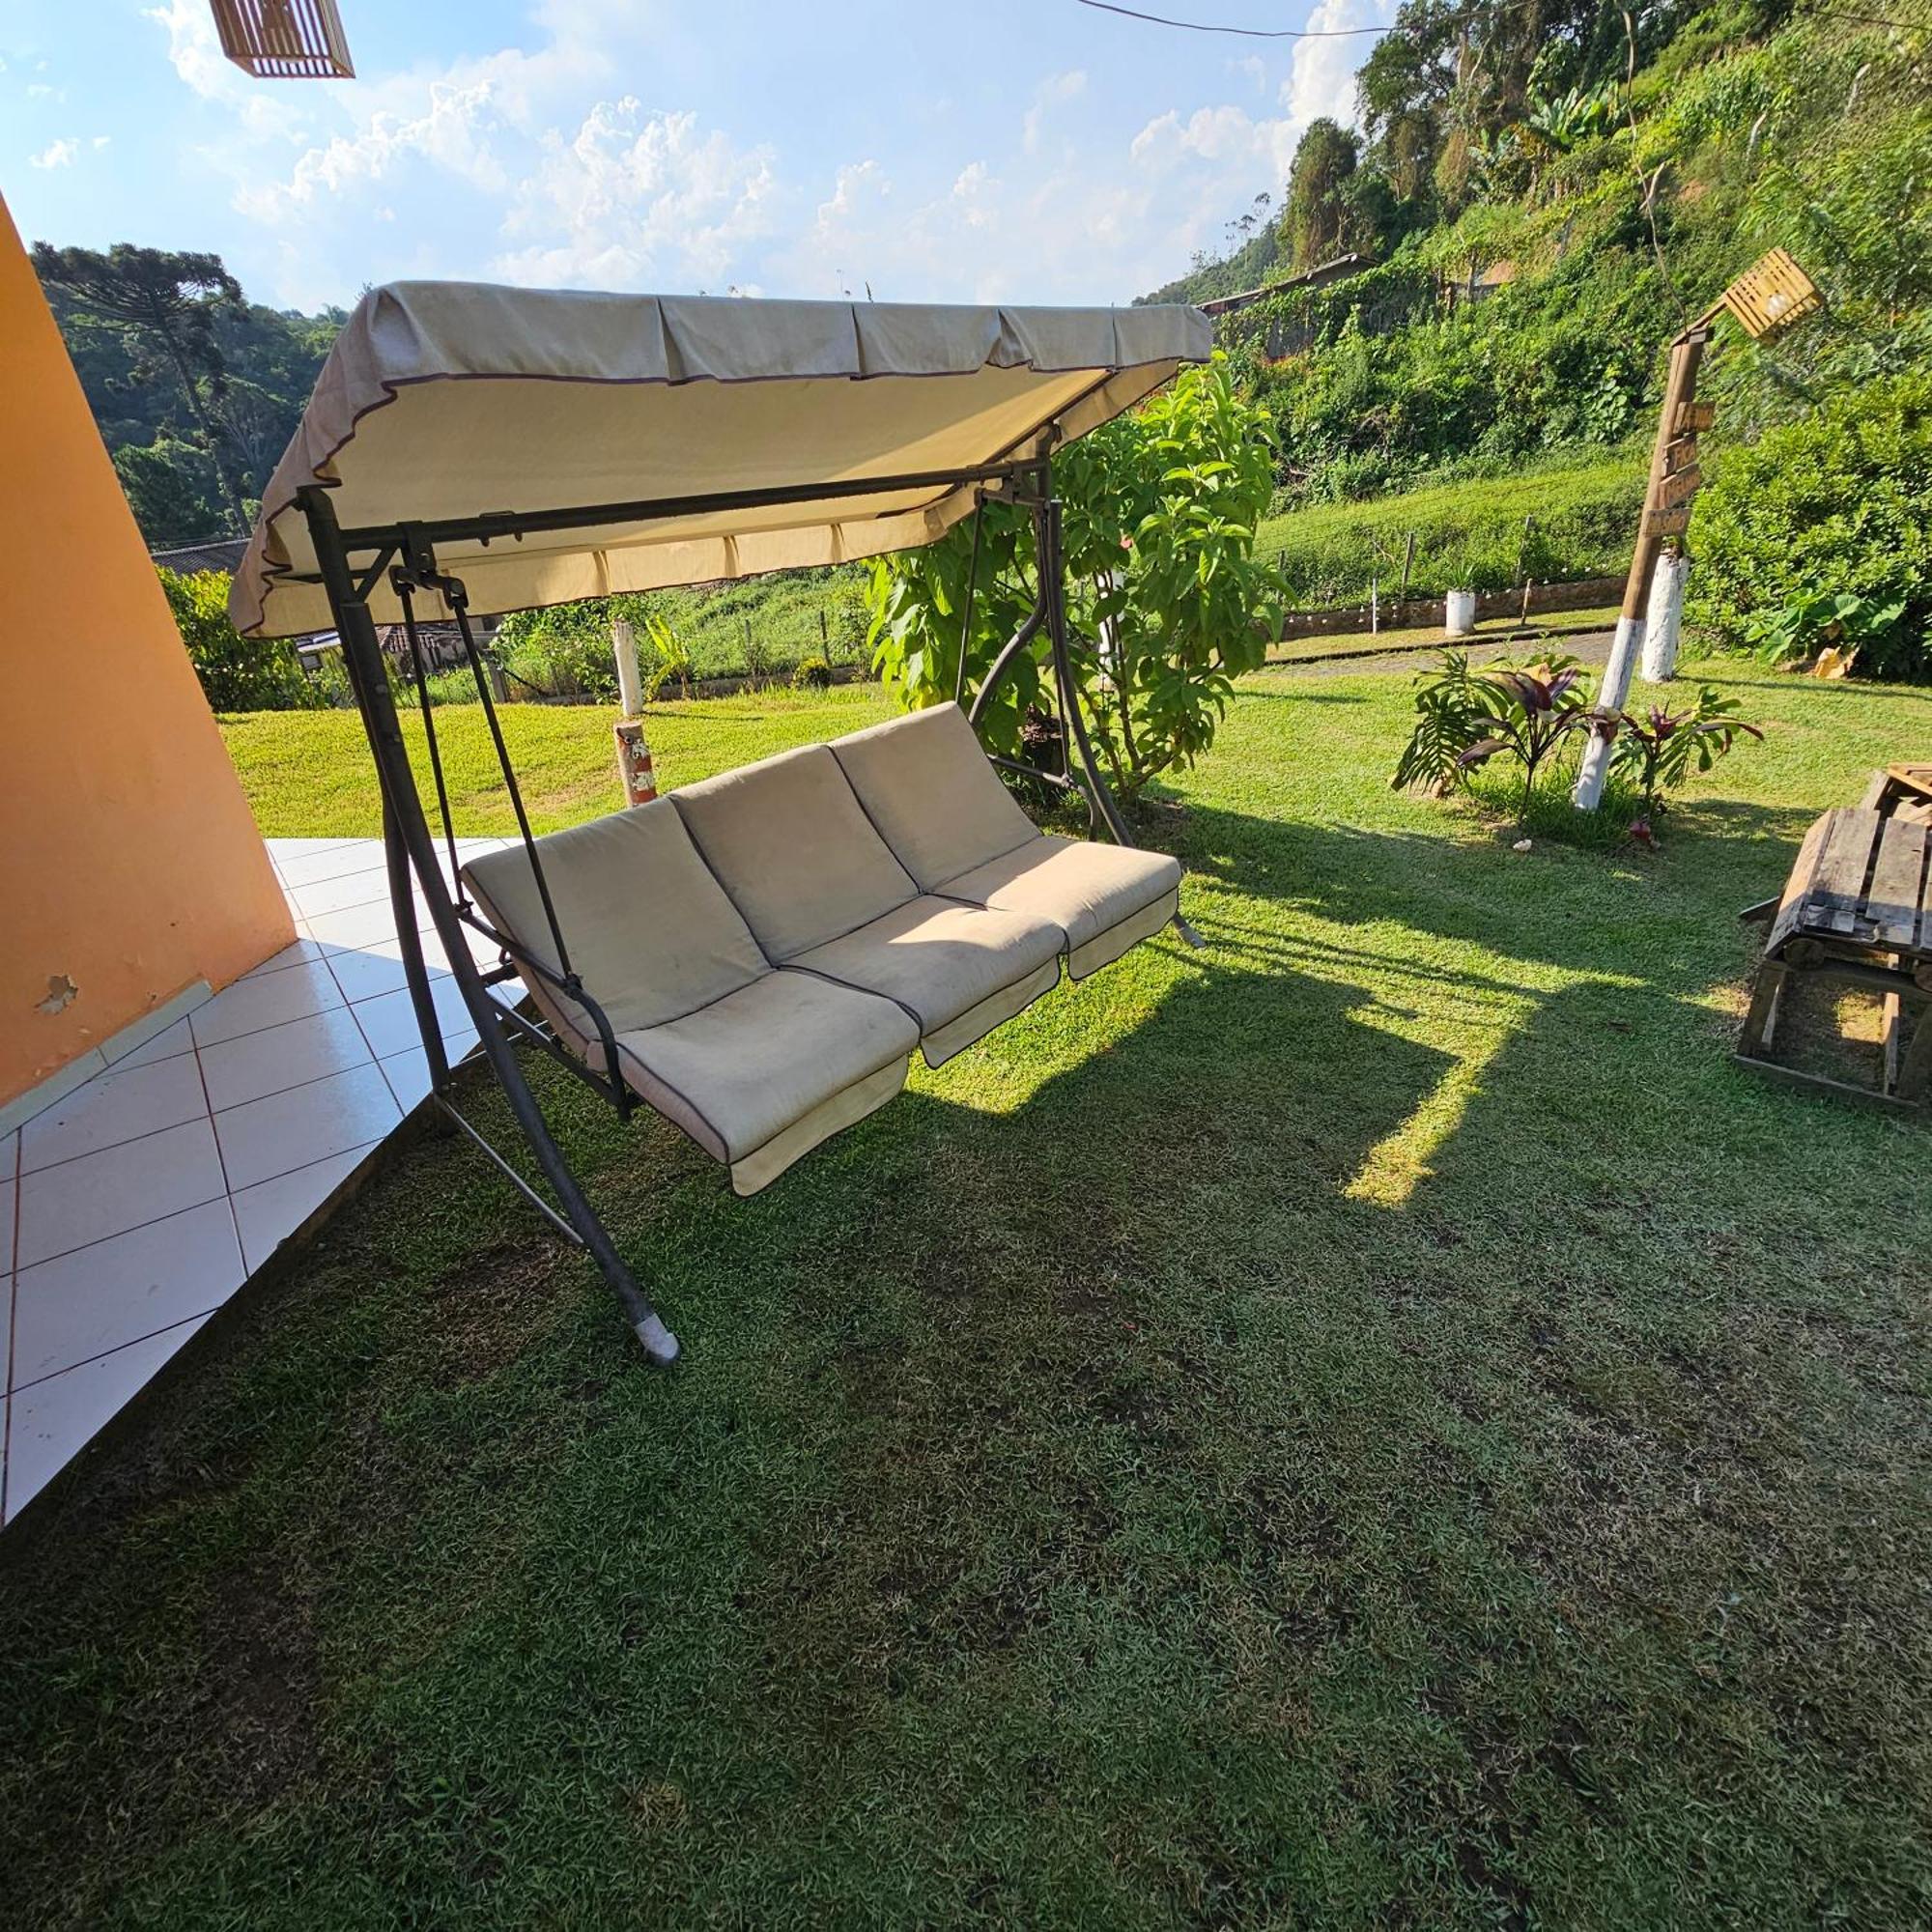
[814,673]
[1466,717]
[565,650]
[1658,749]
[236,673]
[1166,598]
[1839,505]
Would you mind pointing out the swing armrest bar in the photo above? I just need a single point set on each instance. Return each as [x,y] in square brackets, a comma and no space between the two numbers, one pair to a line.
[572,989]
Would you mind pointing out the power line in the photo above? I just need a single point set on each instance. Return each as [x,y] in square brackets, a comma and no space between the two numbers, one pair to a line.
[1246,33]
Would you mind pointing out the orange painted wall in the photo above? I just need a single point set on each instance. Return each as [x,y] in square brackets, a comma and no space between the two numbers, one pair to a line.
[128,861]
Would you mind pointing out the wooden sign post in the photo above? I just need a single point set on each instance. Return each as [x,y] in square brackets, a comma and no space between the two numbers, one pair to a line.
[1666,512]
[1768,298]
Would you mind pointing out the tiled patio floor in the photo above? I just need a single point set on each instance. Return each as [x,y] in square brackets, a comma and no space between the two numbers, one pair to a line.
[134,1206]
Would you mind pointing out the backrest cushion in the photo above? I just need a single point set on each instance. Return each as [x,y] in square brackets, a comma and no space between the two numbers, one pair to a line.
[649,931]
[925,784]
[788,842]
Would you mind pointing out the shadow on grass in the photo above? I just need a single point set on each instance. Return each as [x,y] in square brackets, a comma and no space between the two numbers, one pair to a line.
[1298,1407]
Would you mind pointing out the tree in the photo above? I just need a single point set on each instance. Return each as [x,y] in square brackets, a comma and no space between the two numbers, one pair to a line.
[171,488]
[236,673]
[169,303]
[1167,601]
[1317,217]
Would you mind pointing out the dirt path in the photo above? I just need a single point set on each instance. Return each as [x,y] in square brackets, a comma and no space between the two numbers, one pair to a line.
[1591,646]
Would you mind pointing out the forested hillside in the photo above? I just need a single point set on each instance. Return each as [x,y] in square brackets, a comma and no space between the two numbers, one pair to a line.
[1599,176]
[1548,193]
[196,389]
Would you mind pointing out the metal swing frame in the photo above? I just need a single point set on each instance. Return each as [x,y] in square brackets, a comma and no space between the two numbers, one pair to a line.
[353,561]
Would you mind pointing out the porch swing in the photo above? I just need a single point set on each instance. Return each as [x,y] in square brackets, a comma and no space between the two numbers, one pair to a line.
[754,956]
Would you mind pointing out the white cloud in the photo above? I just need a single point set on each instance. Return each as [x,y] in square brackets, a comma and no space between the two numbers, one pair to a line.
[1050,94]
[634,198]
[539,164]
[56,155]
[41,91]
[1322,78]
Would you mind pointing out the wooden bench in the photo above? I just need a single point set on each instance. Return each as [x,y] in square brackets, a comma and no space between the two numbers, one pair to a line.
[1858,907]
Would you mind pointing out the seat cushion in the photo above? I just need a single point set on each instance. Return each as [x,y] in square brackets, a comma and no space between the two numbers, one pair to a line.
[940,961]
[789,843]
[1087,890]
[925,784]
[740,1072]
[648,929]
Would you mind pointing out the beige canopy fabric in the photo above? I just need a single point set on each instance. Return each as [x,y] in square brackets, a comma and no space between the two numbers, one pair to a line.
[448,400]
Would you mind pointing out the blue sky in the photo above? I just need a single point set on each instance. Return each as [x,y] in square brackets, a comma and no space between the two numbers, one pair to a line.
[1009,149]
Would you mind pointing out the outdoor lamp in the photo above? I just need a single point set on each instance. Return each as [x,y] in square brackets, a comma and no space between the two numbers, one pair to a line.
[284,40]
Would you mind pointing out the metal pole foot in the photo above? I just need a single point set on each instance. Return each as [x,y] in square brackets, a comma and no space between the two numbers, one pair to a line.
[1187,932]
[660,1344]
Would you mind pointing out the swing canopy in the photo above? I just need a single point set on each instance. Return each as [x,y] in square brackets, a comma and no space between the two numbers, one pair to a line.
[743,436]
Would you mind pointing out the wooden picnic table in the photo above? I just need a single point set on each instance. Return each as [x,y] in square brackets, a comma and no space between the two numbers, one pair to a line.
[1858,907]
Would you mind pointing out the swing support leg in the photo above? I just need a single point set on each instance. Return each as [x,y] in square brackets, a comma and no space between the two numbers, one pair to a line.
[409,849]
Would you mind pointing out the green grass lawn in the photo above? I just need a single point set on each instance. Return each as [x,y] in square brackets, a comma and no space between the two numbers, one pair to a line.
[1377,1423]
[1470,532]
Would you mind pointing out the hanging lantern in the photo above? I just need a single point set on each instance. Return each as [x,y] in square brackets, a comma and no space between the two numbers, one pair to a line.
[284,40]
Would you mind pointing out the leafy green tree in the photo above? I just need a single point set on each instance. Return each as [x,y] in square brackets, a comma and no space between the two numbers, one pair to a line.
[236,673]
[172,489]
[1167,601]
[167,302]
[1318,216]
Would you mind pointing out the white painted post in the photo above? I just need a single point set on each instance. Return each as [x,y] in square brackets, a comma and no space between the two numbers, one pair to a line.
[1664,622]
[630,678]
[634,751]
[1679,387]
[1596,762]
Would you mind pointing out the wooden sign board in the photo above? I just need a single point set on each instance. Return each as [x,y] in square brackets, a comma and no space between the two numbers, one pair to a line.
[1694,416]
[1678,487]
[1672,523]
[1681,453]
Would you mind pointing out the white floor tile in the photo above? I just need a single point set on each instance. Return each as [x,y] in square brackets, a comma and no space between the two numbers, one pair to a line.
[116,1292]
[54,1420]
[53,1089]
[389,1023]
[140,1033]
[250,1004]
[356,927]
[257,1064]
[282,850]
[407,1075]
[365,974]
[284,1131]
[272,1211]
[116,1106]
[368,887]
[294,954]
[166,1045]
[332,862]
[120,1187]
